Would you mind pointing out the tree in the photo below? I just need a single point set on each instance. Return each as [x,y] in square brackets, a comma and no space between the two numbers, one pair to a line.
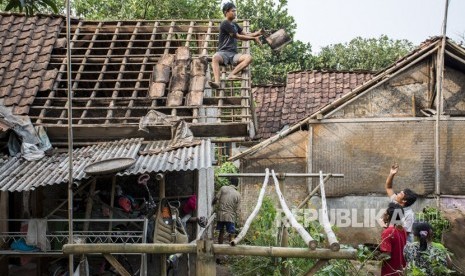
[363,53]
[148,9]
[268,66]
[29,6]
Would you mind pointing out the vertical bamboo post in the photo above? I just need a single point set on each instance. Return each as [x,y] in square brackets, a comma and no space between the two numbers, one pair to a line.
[112,201]
[161,179]
[90,202]
[285,234]
[4,210]
[205,264]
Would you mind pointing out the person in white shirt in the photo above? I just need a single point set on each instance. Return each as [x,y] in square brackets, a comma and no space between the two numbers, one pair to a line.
[404,198]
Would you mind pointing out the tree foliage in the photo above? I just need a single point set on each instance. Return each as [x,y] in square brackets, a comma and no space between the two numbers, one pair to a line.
[269,67]
[30,7]
[148,9]
[272,67]
[363,53]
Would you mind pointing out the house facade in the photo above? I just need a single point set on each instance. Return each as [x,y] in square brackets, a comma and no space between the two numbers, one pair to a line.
[390,116]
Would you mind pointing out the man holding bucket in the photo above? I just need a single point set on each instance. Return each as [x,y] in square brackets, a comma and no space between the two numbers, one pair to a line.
[227,53]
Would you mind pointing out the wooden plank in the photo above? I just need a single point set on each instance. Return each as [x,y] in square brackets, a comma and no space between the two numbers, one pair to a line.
[118,82]
[89,205]
[205,261]
[169,38]
[93,132]
[112,200]
[140,77]
[207,40]
[121,270]
[59,78]
[189,33]
[91,45]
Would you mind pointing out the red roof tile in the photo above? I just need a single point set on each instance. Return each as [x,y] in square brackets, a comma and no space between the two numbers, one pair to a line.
[25,45]
[304,93]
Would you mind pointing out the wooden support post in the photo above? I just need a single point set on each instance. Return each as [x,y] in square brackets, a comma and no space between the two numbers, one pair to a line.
[302,204]
[317,266]
[3,228]
[161,194]
[121,270]
[90,203]
[112,200]
[205,264]
[285,234]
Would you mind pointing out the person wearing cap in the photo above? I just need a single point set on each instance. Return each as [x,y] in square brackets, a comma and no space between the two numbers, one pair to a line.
[227,52]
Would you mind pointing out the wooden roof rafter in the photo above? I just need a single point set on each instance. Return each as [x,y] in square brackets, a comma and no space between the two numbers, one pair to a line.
[112,63]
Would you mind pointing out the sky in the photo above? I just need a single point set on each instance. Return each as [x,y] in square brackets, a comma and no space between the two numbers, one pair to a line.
[324,22]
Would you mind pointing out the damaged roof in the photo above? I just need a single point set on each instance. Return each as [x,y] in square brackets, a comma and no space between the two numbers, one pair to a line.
[112,64]
[26,45]
[305,92]
[17,174]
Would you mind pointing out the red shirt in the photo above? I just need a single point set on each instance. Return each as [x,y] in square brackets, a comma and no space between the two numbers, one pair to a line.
[393,241]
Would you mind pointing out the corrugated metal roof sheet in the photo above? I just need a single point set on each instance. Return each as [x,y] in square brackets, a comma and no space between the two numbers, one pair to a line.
[18,174]
[182,159]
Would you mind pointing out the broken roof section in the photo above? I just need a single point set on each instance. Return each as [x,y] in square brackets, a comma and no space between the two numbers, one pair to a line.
[17,174]
[454,58]
[26,45]
[112,63]
[305,92]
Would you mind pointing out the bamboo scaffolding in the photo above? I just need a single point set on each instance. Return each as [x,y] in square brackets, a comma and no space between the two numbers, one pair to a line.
[218,249]
[297,226]
[333,243]
[254,212]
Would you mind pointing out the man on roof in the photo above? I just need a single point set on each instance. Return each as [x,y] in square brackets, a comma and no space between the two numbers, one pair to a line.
[404,198]
[227,52]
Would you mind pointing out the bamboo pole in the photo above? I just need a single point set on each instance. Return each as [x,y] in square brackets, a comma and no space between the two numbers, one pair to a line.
[317,266]
[254,212]
[299,228]
[280,175]
[218,249]
[121,270]
[333,243]
[161,178]
[90,203]
[205,261]
[302,204]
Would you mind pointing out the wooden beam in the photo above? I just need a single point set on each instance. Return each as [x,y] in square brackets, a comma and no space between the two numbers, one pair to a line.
[205,261]
[121,270]
[218,249]
[89,205]
[316,267]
